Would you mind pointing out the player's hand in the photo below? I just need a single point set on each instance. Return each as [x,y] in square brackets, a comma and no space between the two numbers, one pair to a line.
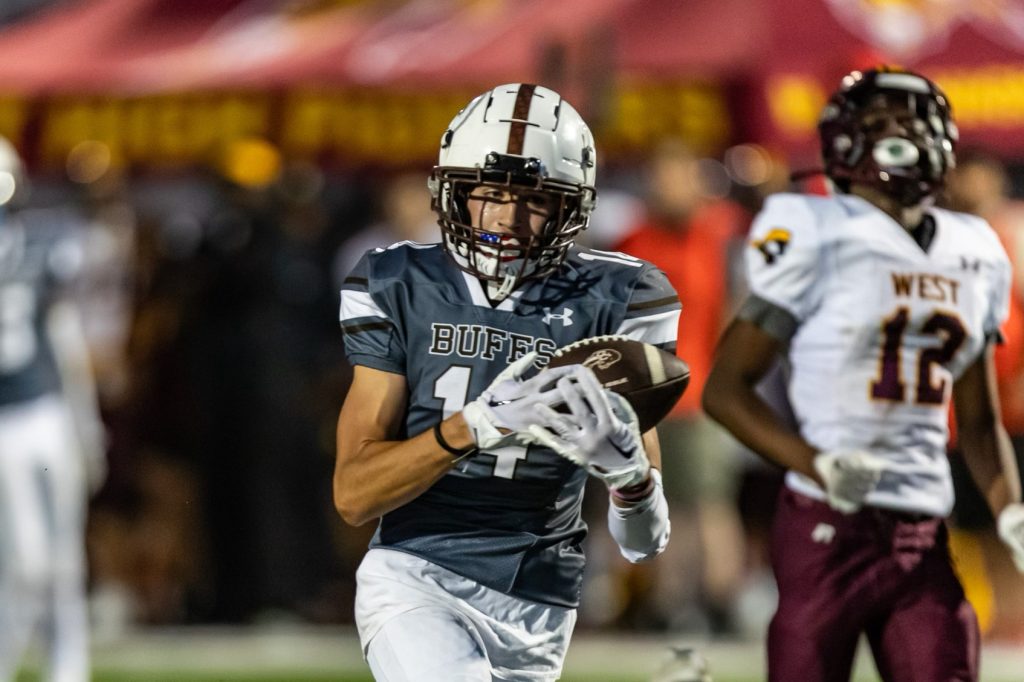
[509,405]
[849,476]
[1011,530]
[600,433]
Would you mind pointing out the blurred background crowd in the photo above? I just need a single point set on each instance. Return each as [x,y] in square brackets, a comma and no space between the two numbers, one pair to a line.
[224,163]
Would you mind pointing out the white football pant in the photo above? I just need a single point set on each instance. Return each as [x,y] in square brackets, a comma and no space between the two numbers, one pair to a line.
[419,622]
[42,524]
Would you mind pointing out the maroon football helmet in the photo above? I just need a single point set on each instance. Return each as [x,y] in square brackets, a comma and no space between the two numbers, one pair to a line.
[889,129]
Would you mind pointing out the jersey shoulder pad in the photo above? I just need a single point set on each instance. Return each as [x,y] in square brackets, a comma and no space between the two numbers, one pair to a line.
[973,235]
[371,301]
[790,213]
[622,276]
[402,260]
[616,263]
[651,305]
[782,254]
[979,247]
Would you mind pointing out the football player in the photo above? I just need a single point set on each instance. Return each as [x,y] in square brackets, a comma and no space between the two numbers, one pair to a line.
[885,308]
[51,441]
[474,572]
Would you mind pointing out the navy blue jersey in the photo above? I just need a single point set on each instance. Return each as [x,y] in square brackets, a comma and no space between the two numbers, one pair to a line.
[33,265]
[507,518]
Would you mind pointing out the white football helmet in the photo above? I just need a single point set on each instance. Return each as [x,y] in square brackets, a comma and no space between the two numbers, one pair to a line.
[516,138]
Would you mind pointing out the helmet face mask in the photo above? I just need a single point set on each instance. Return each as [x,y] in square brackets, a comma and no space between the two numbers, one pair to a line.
[491,254]
[521,145]
[889,130]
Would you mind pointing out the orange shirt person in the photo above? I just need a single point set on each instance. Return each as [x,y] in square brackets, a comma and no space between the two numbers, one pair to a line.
[687,235]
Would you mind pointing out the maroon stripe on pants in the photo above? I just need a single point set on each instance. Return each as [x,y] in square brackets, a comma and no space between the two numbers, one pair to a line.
[885,574]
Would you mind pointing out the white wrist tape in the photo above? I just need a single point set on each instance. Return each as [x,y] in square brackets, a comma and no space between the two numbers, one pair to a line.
[641,531]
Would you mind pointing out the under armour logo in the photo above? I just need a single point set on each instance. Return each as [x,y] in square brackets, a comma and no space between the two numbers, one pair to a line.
[823,533]
[565,316]
[973,264]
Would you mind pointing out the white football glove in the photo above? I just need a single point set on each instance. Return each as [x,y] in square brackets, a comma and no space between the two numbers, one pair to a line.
[849,476]
[601,432]
[509,405]
[1011,530]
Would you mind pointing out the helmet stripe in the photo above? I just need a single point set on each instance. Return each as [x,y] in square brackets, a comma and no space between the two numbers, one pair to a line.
[520,115]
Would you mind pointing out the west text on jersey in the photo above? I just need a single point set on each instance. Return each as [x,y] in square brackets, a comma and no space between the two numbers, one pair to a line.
[927,287]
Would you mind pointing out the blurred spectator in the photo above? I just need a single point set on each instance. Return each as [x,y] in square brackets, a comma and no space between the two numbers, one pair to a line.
[95,207]
[51,438]
[405,214]
[979,185]
[688,234]
[252,341]
[222,509]
[105,289]
[145,539]
[617,211]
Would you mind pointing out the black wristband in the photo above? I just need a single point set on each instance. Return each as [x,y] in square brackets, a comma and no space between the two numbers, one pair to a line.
[444,444]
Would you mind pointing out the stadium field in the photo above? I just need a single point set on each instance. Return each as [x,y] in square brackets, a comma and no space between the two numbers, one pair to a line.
[302,654]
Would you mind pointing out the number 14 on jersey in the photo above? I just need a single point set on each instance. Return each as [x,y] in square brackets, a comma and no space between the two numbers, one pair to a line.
[452,387]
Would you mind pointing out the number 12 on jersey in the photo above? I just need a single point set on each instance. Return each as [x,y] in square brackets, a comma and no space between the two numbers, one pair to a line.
[890,385]
[452,387]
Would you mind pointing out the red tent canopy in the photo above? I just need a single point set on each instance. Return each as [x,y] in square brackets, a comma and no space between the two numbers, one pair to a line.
[86,46]
[372,79]
[787,53]
[974,50]
[131,46]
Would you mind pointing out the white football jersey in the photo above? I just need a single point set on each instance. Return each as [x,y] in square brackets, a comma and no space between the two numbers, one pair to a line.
[884,329]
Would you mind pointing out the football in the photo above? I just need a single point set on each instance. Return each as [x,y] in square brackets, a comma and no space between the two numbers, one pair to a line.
[651,379]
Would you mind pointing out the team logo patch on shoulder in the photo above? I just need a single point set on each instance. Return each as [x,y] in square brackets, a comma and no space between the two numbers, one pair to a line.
[773,245]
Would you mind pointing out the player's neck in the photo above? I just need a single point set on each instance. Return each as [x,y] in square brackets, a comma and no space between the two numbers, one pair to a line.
[909,217]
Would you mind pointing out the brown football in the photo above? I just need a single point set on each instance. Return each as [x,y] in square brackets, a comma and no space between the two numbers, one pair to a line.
[651,379]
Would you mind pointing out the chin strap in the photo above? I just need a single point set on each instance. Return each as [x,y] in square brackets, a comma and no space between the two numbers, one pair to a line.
[502,292]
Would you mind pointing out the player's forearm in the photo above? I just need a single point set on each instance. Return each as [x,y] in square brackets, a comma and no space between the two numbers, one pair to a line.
[745,355]
[987,449]
[372,478]
[754,423]
[989,456]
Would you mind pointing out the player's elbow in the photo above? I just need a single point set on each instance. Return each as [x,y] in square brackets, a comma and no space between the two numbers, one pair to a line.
[714,399]
[353,515]
[352,508]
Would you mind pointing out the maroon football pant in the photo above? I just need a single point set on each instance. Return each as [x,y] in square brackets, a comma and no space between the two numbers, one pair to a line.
[881,573]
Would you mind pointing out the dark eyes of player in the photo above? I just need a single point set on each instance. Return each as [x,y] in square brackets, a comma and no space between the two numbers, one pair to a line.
[882,122]
[534,200]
